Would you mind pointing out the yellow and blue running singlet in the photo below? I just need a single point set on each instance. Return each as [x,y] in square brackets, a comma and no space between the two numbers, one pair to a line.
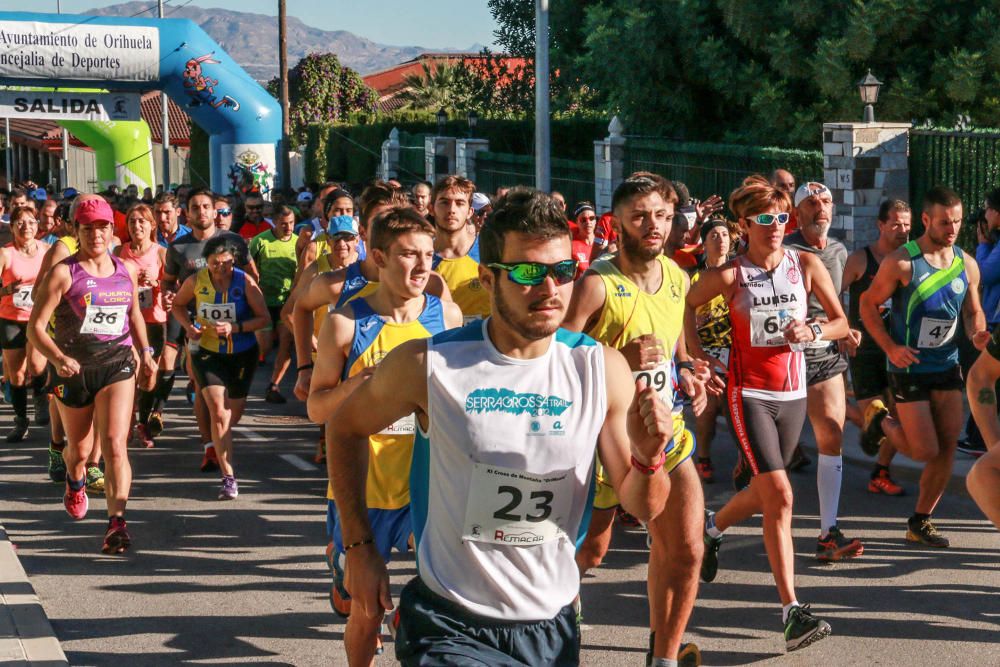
[212,306]
[391,450]
[461,274]
[630,312]
[355,285]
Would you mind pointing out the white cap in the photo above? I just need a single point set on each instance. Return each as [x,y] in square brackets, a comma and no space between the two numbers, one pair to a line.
[479,200]
[811,189]
[304,197]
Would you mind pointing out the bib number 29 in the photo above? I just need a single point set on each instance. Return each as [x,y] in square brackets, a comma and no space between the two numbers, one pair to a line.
[542,505]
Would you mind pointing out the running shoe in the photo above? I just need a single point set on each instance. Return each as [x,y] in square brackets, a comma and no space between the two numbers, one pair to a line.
[209,461]
[76,502]
[705,470]
[710,561]
[340,599]
[687,656]
[925,533]
[882,483]
[20,430]
[230,489]
[141,437]
[331,551]
[57,467]
[41,402]
[95,480]
[155,424]
[189,392]
[799,459]
[803,629]
[274,396]
[116,540]
[973,449]
[627,519]
[871,429]
[837,546]
[742,473]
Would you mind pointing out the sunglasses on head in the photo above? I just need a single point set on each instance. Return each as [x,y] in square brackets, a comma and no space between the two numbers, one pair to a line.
[534,273]
[770,218]
[224,212]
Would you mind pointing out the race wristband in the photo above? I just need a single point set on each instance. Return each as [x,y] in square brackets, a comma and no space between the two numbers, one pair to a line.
[651,469]
[152,351]
[681,365]
[304,367]
[370,540]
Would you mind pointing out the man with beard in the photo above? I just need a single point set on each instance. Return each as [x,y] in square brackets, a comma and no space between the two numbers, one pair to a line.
[931,282]
[456,247]
[508,410]
[421,195]
[634,302]
[826,400]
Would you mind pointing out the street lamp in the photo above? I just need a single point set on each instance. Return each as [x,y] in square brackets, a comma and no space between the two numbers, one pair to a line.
[868,87]
[442,118]
[473,119]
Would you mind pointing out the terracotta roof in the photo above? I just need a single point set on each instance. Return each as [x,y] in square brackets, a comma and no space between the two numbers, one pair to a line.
[179,124]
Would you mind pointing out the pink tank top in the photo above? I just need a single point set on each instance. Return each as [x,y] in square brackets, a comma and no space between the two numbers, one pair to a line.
[17,306]
[149,296]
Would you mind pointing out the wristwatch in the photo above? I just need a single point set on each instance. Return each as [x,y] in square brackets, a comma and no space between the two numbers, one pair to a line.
[817,331]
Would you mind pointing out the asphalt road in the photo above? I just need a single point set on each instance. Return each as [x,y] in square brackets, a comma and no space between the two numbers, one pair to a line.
[209,582]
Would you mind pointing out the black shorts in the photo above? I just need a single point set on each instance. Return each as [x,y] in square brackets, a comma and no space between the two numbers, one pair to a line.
[915,387]
[176,336]
[275,312]
[436,631]
[79,391]
[869,376]
[823,363]
[232,371]
[13,334]
[155,333]
[766,431]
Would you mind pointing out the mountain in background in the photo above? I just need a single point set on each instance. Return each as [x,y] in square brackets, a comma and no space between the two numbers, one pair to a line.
[252,39]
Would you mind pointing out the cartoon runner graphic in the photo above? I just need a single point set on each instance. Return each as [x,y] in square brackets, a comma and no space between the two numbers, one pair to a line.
[201,88]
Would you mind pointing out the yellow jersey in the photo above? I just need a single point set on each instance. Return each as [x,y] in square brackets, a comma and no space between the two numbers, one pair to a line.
[391,450]
[461,274]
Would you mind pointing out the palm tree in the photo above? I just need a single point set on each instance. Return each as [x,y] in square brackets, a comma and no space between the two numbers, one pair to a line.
[437,88]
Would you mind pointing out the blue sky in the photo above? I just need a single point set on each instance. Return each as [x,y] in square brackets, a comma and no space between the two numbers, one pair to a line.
[432,23]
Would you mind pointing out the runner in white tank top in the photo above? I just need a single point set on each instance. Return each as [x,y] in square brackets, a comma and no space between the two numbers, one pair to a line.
[766,290]
[508,411]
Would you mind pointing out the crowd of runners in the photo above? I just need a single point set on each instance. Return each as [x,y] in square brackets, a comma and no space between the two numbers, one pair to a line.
[497,378]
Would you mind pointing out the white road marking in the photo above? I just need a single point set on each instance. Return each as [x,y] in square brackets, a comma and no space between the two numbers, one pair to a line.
[298,462]
[252,436]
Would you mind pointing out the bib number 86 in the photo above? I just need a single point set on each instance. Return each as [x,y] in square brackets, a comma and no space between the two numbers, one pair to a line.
[543,505]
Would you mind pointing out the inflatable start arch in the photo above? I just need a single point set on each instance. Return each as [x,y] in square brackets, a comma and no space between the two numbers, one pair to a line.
[173,55]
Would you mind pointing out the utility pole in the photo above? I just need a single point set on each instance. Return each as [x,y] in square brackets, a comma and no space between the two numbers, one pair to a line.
[543,169]
[286,167]
[165,131]
[64,159]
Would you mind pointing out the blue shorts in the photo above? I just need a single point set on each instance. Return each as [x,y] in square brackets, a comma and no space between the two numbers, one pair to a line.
[392,528]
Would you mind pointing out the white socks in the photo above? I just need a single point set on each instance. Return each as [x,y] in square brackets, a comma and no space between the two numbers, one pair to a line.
[829,473]
[794,603]
[664,662]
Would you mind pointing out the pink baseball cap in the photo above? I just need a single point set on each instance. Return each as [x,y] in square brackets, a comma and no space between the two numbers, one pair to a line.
[93,211]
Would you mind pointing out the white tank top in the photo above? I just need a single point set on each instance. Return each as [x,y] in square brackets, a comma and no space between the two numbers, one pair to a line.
[501,485]
[764,303]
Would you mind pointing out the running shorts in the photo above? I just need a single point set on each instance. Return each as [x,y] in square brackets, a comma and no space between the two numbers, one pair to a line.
[436,631]
[275,312]
[605,497]
[79,391]
[766,431]
[232,371]
[869,376]
[13,334]
[823,363]
[391,529]
[915,387]
[176,336]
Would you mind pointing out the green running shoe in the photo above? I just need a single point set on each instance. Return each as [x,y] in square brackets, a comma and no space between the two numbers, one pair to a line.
[803,629]
[57,467]
[95,480]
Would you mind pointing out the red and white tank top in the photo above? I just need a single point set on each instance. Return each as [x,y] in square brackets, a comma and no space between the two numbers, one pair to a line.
[763,305]
[20,267]
[149,295]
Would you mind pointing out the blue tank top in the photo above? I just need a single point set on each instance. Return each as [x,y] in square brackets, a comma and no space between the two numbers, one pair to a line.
[925,313]
[354,282]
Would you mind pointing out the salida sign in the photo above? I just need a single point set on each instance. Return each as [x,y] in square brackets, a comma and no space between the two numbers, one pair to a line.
[69,106]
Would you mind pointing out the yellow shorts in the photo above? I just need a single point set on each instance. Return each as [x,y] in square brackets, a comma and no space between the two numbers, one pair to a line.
[605,497]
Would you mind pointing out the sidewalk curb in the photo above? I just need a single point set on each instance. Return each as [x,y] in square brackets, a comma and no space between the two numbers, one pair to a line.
[26,635]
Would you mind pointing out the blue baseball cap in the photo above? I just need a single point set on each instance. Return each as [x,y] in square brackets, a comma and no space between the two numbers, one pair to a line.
[342,224]
[69,193]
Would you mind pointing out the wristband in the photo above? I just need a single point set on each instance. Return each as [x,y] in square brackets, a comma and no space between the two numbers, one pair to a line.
[370,540]
[681,365]
[304,367]
[651,469]
[151,350]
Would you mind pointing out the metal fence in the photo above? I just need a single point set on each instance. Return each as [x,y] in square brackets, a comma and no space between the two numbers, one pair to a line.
[573,178]
[967,162]
[709,169]
[412,167]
